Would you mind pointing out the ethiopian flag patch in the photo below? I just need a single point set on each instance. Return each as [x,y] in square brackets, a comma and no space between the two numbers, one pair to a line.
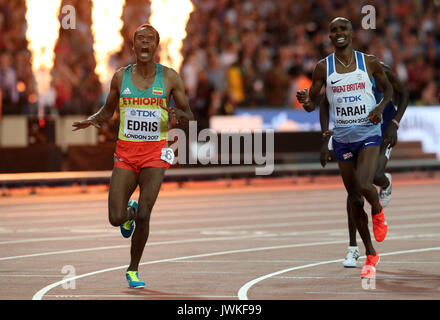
[158,91]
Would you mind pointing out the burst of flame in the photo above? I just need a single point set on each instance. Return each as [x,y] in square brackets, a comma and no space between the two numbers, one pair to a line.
[42,33]
[106,26]
[169,18]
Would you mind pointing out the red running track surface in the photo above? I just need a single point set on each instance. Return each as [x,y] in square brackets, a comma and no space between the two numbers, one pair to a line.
[275,239]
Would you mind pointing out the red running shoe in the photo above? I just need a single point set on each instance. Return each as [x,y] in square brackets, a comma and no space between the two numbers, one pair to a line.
[369,269]
[380,227]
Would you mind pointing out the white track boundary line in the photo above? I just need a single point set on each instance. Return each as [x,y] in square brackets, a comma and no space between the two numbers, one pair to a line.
[92,227]
[244,236]
[242,292]
[219,207]
[143,297]
[128,246]
[40,294]
[174,231]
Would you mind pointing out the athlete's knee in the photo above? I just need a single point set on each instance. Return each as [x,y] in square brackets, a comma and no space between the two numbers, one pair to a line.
[115,221]
[117,217]
[365,186]
[355,200]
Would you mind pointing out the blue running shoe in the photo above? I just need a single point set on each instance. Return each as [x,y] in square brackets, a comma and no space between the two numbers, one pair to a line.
[133,280]
[128,226]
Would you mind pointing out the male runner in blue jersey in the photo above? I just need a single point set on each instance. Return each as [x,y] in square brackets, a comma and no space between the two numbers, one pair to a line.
[356,136]
[391,119]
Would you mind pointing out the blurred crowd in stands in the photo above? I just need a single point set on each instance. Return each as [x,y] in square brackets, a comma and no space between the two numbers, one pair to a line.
[238,53]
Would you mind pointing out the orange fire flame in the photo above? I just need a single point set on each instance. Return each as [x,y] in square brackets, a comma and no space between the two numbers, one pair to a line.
[42,33]
[106,26]
[170,17]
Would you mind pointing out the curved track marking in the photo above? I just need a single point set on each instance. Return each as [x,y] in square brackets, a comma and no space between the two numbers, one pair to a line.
[242,292]
[40,294]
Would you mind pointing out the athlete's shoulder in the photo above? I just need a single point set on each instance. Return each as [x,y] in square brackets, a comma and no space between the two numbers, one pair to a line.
[117,78]
[371,58]
[386,67]
[120,73]
[321,68]
[170,74]
[322,63]
[373,63]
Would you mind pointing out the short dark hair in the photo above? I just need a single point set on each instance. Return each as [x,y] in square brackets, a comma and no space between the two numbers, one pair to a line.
[348,22]
[149,26]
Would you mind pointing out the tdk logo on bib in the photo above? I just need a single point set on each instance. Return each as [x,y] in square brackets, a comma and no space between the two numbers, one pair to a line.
[144,113]
[349,99]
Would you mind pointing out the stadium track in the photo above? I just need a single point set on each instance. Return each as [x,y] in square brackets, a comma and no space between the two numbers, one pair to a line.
[270,239]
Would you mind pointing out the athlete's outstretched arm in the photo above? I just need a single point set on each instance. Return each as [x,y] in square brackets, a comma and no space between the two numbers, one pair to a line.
[390,136]
[107,110]
[383,85]
[309,99]
[182,112]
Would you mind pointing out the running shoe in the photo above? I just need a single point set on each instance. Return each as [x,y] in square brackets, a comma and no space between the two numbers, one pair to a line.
[385,194]
[369,269]
[353,255]
[128,226]
[380,226]
[133,280]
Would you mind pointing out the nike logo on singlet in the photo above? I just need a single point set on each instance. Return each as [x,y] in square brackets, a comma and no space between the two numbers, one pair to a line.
[333,82]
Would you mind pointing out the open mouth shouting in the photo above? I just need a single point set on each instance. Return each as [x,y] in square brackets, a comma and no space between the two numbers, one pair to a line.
[145,52]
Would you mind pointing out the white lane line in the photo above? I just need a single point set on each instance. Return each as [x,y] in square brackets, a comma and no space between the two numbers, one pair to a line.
[371,292]
[326,203]
[226,215]
[223,229]
[242,236]
[142,296]
[40,294]
[128,246]
[227,211]
[57,238]
[33,255]
[32,275]
[162,206]
[242,292]
[166,204]
[286,224]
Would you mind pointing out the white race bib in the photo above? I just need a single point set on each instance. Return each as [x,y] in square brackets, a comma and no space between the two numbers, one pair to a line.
[142,124]
[167,155]
[350,114]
